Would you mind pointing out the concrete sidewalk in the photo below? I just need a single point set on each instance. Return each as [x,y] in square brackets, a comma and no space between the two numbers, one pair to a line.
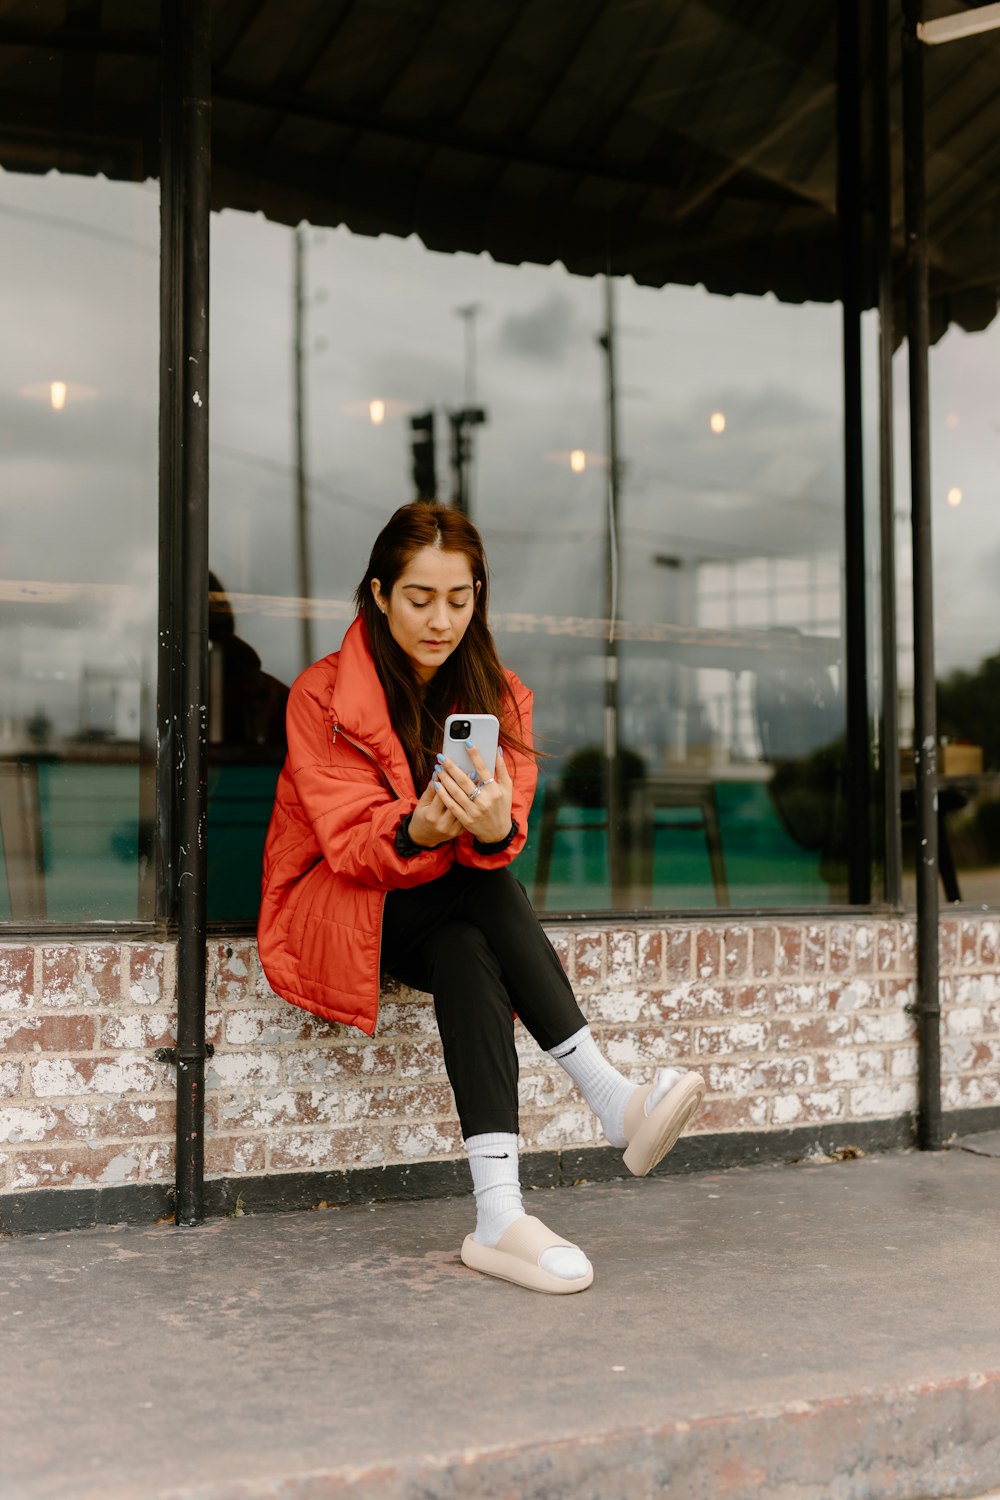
[825,1331]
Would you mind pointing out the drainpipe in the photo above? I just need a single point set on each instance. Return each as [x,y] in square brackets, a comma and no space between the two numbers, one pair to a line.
[882,186]
[849,213]
[928,1004]
[186,209]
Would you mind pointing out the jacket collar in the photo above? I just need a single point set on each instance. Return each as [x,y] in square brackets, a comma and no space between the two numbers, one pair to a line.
[361,709]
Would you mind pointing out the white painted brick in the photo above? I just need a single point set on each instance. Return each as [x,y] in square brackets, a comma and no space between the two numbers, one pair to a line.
[264,1028]
[864,941]
[857,994]
[120,1169]
[756,1112]
[231,1070]
[56,1076]
[124,1075]
[145,989]
[126,1031]
[262,1110]
[543,1090]
[977,989]
[10,1079]
[157,1162]
[885,1026]
[620,1005]
[621,958]
[903,1062]
[965,1021]
[568,1127]
[420,1141]
[843,1065]
[824,1104]
[798,998]
[961,1093]
[786,1108]
[623,1052]
[20,1125]
[881,1099]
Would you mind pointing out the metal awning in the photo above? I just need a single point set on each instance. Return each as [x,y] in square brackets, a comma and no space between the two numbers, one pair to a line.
[689,141]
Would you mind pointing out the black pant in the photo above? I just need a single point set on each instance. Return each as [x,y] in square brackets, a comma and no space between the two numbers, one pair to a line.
[472,940]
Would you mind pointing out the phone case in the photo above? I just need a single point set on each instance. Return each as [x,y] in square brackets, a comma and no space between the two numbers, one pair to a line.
[485,736]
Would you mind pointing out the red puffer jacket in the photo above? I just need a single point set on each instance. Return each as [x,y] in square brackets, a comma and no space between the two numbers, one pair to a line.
[330,855]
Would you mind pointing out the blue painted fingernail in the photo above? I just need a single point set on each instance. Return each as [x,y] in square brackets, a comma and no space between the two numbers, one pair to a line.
[440,759]
[500,752]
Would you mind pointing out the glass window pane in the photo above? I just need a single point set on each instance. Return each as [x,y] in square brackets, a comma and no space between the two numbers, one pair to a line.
[730,694]
[78,543]
[965,449]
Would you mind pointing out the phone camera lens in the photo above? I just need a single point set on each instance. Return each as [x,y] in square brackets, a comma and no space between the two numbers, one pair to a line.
[461,729]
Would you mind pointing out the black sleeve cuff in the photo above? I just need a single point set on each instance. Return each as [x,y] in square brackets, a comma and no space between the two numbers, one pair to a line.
[500,845]
[405,847]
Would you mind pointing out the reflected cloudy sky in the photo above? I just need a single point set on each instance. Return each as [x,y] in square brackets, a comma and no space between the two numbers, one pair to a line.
[79,283]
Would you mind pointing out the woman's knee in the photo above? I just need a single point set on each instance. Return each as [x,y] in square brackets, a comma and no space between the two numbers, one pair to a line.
[463,947]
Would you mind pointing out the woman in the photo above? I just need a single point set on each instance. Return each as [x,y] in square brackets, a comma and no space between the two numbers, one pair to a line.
[382,854]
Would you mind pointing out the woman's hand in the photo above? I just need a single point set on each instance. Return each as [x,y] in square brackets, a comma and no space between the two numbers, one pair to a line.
[432,823]
[483,810]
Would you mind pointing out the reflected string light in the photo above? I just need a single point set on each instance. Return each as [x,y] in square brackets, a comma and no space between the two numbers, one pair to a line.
[577,460]
[954,496]
[717,422]
[58,394]
[377,410]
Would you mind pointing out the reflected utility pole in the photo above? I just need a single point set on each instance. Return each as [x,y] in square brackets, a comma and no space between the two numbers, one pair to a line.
[470,416]
[612,566]
[301,488]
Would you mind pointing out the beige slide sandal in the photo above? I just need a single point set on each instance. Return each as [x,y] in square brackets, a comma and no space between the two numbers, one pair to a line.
[651,1136]
[516,1258]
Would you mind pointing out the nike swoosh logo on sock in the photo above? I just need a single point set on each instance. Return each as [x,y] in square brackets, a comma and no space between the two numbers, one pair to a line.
[491,1157]
[568,1053]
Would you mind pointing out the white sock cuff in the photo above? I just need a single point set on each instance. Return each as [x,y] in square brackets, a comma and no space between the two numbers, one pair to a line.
[493,1142]
[563,1049]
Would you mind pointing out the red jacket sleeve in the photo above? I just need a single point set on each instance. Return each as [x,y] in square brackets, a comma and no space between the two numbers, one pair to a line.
[350,809]
[524,774]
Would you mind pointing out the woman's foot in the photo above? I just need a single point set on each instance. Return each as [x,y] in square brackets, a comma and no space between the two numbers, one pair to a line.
[656,1114]
[617,1101]
[530,1255]
[497,1185]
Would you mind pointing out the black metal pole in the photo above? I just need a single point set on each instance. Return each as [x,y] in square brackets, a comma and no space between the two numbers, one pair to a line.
[928,1009]
[168,684]
[612,552]
[882,195]
[302,553]
[849,217]
[188,25]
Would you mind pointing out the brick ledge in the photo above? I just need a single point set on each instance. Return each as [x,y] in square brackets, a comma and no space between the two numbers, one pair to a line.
[47,1210]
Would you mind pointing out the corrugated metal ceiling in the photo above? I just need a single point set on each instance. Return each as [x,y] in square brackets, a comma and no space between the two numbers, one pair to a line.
[675,140]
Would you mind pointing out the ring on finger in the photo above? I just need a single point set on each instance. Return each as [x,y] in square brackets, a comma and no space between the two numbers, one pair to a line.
[473,795]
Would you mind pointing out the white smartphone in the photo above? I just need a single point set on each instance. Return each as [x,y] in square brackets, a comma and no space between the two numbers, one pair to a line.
[462,730]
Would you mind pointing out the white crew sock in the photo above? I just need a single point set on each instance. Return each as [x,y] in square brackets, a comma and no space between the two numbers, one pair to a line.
[496,1183]
[497,1186]
[605,1089]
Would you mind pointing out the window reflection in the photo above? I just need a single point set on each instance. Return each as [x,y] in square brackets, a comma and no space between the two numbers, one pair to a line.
[730,695]
[78,425]
[965,447]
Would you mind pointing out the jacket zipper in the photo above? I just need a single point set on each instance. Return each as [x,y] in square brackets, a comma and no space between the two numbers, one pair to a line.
[368,756]
[382,771]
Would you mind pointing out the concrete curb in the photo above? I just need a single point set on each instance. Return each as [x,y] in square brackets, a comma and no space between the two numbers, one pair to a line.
[939,1439]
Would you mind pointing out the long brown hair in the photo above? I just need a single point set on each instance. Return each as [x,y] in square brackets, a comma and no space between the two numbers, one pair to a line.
[471,679]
